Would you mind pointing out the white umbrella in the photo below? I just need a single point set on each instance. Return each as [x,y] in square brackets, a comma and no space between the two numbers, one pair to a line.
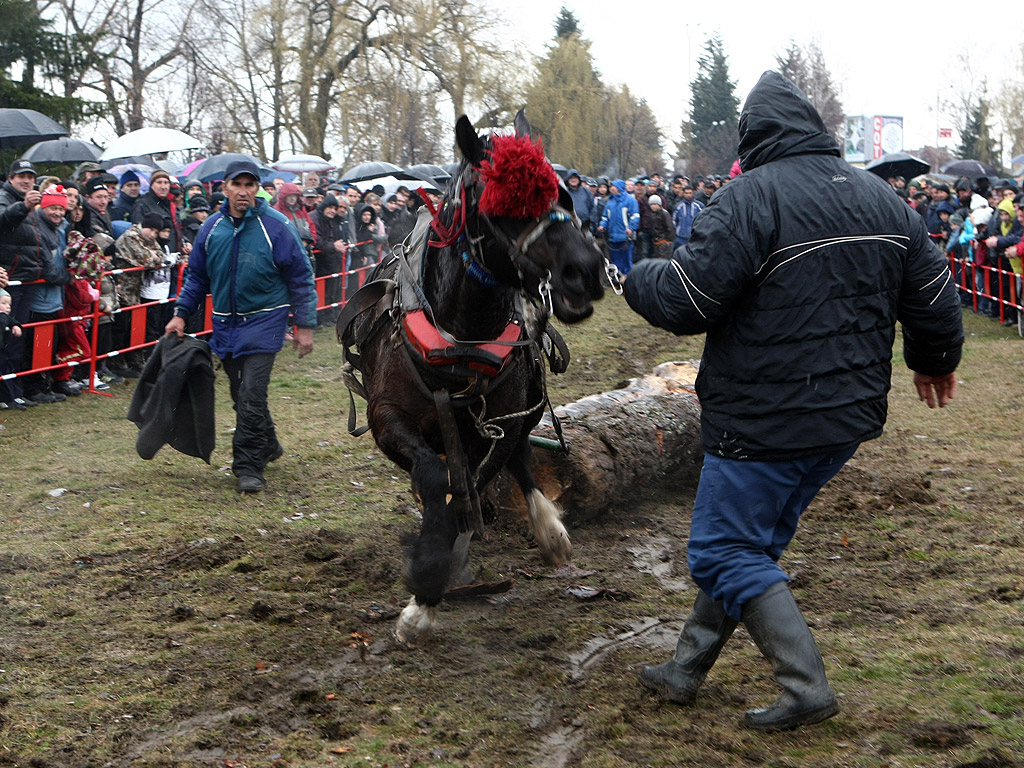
[298,163]
[148,141]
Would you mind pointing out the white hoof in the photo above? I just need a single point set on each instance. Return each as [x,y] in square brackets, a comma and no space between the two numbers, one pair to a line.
[415,623]
[552,538]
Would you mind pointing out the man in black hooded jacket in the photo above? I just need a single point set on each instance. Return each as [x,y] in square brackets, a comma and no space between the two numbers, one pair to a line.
[797,271]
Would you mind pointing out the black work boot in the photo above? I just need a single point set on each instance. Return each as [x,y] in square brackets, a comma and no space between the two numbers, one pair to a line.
[701,640]
[774,620]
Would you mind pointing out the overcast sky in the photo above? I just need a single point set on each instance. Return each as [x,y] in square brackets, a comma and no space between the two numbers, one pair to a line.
[882,66]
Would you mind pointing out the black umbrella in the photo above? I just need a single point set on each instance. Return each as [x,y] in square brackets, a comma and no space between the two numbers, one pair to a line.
[134,159]
[213,168]
[374,170]
[24,126]
[897,164]
[972,169]
[63,150]
[561,170]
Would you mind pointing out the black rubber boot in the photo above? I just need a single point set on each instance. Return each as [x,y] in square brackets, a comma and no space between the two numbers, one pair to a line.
[774,620]
[701,640]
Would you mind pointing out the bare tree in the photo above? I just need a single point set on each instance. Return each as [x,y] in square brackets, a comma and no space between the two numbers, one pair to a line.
[806,67]
[141,38]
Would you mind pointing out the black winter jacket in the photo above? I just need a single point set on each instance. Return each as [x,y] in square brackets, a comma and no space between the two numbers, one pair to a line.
[798,271]
[27,242]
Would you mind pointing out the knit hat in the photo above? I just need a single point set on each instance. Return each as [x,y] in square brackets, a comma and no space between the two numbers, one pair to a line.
[654,200]
[198,203]
[159,174]
[129,175]
[977,201]
[330,201]
[4,293]
[84,256]
[94,184]
[153,221]
[54,196]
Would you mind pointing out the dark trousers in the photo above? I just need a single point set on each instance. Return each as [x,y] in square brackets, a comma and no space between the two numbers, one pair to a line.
[11,356]
[255,439]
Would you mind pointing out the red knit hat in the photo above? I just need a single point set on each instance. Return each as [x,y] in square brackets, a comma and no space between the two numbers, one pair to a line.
[54,196]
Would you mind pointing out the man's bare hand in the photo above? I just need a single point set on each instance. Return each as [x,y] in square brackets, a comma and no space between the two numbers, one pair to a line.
[303,341]
[935,390]
[32,198]
[176,327]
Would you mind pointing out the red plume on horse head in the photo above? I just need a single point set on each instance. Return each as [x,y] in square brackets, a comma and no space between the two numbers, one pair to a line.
[520,182]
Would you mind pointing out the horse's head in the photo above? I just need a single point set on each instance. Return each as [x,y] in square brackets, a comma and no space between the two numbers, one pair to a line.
[520,224]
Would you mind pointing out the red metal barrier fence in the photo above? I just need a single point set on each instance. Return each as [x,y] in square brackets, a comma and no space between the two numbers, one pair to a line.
[989,289]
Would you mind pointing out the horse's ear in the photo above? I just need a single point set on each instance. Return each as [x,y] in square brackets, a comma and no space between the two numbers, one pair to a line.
[522,124]
[468,142]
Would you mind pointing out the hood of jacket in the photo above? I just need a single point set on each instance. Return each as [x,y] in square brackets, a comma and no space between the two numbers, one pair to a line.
[359,215]
[620,185]
[285,190]
[778,121]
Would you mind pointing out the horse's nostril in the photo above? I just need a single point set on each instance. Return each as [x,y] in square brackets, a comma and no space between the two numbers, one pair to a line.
[572,277]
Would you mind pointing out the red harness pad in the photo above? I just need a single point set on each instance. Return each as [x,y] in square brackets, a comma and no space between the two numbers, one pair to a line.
[488,358]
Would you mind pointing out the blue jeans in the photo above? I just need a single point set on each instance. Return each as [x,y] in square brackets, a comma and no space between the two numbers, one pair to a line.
[621,255]
[744,517]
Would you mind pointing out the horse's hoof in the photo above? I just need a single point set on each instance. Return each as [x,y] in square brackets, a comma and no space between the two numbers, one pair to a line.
[551,536]
[415,623]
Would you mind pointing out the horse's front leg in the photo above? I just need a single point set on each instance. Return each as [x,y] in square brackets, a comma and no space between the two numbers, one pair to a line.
[545,515]
[428,558]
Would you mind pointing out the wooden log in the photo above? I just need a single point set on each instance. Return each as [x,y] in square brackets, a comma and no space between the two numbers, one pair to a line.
[645,435]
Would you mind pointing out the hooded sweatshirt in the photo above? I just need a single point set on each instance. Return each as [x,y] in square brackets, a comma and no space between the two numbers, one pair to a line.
[297,214]
[797,271]
[620,212]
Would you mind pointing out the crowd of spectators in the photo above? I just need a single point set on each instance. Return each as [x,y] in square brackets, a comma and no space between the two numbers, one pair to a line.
[60,241]
[66,245]
[980,224]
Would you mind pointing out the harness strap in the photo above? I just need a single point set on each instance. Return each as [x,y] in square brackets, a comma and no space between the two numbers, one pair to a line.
[467,501]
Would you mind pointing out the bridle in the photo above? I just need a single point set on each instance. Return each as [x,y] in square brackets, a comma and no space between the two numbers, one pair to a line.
[458,233]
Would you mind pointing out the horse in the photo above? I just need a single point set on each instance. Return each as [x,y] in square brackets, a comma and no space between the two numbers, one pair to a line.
[452,357]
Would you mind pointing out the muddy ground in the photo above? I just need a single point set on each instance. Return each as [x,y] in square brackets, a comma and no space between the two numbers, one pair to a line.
[150,617]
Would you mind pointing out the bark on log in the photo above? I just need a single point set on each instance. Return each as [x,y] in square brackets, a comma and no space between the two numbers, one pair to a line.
[644,435]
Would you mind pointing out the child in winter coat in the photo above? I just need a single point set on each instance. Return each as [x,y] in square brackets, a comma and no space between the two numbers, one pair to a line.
[663,232]
[8,328]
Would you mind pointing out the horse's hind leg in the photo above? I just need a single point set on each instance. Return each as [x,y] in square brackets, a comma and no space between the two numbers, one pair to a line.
[545,515]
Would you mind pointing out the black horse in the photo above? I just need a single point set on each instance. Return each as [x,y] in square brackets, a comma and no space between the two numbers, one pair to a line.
[455,383]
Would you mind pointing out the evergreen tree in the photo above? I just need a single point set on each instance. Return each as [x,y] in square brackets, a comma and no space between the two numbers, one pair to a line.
[976,139]
[566,25]
[565,103]
[29,41]
[710,135]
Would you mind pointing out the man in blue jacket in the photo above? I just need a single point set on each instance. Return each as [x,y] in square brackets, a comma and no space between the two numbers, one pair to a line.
[251,262]
[797,271]
[582,199]
[619,223]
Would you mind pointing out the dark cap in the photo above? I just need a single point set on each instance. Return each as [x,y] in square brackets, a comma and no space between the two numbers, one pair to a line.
[21,166]
[238,167]
[153,221]
[108,178]
[310,192]
[198,203]
[93,184]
